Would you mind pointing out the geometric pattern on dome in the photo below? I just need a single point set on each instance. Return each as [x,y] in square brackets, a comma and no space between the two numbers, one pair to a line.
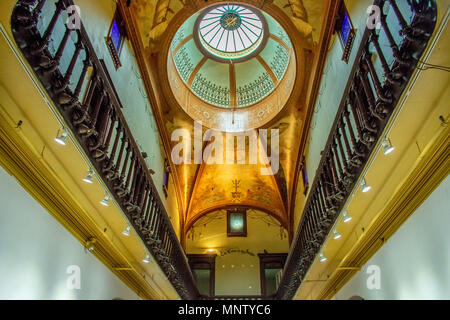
[183,64]
[252,93]
[231,31]
[280,62]
[179,36]
[210,92]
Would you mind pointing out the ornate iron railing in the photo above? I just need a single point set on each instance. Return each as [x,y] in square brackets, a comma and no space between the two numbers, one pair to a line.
[373,90]
[100,127]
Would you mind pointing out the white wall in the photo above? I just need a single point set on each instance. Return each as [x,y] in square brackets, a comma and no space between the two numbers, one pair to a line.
[415,261]
[35,252]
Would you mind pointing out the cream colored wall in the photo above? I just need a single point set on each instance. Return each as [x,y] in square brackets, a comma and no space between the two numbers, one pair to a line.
[36,253]
[415,262]
[237,262]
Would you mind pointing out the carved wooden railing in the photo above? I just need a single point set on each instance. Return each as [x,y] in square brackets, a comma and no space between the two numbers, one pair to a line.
[373,90]
[99,126]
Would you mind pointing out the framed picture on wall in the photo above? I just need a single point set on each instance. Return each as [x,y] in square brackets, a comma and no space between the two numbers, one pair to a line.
[237,223]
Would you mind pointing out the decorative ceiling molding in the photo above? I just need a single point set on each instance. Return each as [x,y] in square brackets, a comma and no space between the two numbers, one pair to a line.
[194,73]
[269,71]
[233,100]
[182,43]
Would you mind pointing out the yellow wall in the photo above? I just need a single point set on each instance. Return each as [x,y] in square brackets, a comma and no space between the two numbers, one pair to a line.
[237,272]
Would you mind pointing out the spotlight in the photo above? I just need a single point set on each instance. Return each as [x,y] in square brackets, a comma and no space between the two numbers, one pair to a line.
[105,201]
[322,258]
[347,218]
[61,139]
[364,187]
[337,235]
[126,231]
[211,250]
[88,178]
[387,145]
[146,259]
[90,244]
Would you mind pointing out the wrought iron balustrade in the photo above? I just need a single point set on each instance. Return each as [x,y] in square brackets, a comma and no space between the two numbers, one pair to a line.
[76,81]
[384,64]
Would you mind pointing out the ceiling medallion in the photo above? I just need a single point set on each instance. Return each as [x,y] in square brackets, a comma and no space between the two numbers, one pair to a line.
[231,21]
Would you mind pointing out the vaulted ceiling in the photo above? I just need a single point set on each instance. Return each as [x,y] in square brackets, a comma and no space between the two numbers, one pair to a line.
[203,188]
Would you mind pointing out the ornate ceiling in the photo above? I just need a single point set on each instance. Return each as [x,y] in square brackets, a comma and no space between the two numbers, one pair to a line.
[208,187]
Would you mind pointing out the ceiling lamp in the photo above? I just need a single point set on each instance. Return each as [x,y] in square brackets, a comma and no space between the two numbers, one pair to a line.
[364,187]
[88,178]
[347,218]
[337,235]
[387,146]
[126,231]
[105,201]
[322,258]
[146,259]
[62,139]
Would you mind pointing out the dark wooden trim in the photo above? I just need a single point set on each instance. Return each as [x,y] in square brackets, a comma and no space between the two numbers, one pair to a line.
[269,258]
[108,76]
[206,259]
[370,108]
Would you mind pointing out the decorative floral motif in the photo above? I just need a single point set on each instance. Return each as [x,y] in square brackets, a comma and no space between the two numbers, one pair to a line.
[184,64]
[211,92]
[255,91]
[280,62]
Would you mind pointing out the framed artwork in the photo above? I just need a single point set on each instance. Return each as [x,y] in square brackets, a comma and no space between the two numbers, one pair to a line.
[237,223]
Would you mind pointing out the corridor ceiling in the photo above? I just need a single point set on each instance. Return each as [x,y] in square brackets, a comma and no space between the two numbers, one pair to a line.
[166,31]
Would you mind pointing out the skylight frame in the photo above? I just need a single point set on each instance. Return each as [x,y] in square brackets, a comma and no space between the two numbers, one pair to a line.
[243,43]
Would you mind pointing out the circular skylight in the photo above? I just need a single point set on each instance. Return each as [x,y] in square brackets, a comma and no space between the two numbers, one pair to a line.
[231,31]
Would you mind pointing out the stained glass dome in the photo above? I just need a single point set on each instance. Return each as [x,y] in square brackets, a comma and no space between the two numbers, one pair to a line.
[231,31]
[231,66]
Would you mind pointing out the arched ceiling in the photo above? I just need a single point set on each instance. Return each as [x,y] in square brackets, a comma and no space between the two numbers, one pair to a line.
[203,188]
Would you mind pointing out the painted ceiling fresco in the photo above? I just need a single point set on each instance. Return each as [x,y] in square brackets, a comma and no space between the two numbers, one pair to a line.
[203,188]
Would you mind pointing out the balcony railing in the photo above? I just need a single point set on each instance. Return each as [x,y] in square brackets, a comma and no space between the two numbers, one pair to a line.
[384,64]
[72,70]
